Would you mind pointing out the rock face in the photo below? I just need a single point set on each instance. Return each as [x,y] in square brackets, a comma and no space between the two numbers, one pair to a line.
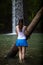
[5,16]
[10,12]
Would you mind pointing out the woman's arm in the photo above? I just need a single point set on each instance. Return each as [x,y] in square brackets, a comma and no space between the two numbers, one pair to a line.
[25,27]
[17,30]
[25,30]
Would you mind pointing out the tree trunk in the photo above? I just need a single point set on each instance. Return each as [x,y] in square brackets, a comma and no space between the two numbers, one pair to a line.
[28,32]
[34,23]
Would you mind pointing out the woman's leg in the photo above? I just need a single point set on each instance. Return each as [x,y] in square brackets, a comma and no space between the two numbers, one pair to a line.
[20,54]
[23,52]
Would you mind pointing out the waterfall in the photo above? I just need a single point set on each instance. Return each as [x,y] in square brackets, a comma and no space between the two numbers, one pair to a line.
[13,16]
[17,12]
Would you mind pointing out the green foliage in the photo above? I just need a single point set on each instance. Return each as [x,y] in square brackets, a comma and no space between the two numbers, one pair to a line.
[32,6]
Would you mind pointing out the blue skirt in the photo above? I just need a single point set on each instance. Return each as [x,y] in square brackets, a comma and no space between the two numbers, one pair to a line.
[21,42]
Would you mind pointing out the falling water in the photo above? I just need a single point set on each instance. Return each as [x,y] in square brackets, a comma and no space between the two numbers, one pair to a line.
[13,16]
[17,12]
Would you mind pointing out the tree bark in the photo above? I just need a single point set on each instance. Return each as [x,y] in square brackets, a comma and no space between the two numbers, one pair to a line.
[34,23]
[28,32]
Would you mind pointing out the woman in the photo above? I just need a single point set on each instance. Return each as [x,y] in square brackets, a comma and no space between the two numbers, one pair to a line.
[21,41]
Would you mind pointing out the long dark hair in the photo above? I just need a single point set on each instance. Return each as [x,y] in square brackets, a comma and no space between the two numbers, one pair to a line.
[20,20]
[20,25]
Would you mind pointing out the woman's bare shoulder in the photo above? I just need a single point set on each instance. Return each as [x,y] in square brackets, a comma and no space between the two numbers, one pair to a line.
[17,26]
[24,26]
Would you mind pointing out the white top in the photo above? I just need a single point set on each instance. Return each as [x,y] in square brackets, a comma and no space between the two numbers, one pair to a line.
[21,34]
